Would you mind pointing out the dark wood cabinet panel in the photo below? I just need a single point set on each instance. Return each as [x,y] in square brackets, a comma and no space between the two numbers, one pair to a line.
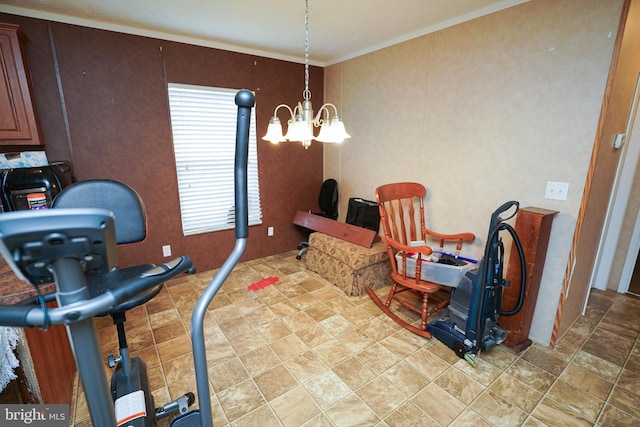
[18,117]
[533,226]
[47,366]
[53,364]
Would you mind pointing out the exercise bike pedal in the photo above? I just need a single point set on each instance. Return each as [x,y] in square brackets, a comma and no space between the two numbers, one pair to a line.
[180,406]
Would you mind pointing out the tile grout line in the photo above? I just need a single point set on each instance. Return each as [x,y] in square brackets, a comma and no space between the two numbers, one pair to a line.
[578,349]
[251,376]
[487,389]
[615,383]
[323,411]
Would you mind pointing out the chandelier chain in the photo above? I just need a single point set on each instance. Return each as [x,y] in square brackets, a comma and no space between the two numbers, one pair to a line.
[307,93]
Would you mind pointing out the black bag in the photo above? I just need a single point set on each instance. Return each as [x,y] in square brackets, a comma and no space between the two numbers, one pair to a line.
[363,213]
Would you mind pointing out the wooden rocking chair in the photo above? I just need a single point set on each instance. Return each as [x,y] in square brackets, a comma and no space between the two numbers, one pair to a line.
[403,229]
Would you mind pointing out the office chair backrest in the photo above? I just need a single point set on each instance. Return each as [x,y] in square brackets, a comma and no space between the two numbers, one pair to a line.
[117,197]
[328,199]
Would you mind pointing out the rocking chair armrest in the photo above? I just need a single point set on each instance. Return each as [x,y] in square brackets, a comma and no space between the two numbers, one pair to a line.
[399,247]
[460,237]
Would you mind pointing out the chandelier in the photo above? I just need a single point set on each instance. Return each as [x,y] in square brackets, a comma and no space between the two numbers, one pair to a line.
[302,122]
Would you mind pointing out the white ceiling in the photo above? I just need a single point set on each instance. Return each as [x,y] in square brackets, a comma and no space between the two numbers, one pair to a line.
[338,29]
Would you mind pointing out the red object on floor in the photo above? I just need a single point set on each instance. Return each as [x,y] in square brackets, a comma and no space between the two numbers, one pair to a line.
[263,283]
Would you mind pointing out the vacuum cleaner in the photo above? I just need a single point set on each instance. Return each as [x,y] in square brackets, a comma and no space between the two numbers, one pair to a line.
[476,303]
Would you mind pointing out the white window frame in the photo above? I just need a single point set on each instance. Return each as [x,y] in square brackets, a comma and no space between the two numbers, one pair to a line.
[203,123]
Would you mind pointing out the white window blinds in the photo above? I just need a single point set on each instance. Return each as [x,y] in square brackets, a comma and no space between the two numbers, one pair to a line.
[203,120]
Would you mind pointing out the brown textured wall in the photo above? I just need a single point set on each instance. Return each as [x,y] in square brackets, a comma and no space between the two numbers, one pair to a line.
[109,115]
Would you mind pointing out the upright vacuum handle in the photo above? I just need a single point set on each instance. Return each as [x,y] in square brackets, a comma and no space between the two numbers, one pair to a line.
[245,100]
[496,216]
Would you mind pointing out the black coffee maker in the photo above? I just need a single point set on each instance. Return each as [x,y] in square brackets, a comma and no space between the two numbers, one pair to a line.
[34,187]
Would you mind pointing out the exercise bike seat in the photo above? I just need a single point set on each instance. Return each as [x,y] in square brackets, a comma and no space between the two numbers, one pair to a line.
[130,227]
[100,284]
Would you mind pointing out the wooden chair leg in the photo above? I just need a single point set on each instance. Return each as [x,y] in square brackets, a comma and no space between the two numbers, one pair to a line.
[392,293]
[425,311]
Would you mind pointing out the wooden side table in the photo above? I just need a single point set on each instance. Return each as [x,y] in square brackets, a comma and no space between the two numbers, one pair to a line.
[533,226]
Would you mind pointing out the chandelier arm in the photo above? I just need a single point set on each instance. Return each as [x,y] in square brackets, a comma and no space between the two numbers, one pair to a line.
[324,108]
[319,119]
[328,104]
[275,112]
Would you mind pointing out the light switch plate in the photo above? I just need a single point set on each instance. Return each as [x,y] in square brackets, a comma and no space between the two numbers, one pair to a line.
[557,190]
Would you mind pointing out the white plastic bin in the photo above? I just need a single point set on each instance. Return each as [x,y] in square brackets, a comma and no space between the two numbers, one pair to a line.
[442,274]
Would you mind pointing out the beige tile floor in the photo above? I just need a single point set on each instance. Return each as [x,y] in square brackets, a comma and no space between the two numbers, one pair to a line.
[301,353]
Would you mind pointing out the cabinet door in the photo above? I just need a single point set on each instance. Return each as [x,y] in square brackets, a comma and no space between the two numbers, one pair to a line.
[18,118]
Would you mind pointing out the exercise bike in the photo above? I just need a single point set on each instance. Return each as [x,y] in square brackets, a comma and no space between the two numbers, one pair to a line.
[75,247]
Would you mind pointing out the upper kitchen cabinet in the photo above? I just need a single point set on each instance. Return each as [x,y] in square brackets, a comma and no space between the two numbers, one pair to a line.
[18,117]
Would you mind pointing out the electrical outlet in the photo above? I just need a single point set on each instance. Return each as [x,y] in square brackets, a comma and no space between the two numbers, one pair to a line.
[270,231]
[166,250]
[556,190]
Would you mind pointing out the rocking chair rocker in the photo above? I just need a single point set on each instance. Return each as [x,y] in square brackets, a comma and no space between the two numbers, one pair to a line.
[402,216]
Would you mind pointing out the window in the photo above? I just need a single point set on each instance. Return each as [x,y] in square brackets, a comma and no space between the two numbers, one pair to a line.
[203,120]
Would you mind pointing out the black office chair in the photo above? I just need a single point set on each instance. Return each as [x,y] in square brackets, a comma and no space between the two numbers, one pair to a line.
[328,202]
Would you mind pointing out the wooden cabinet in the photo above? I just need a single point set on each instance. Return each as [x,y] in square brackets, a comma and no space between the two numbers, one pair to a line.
[18,118]
[52,363]
[533,227]
[47,368]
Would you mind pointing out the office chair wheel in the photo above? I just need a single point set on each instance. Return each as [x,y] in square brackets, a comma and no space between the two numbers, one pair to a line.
[302,248]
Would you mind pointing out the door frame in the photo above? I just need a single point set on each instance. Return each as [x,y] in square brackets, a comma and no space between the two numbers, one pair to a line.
[631,259]
[617,209]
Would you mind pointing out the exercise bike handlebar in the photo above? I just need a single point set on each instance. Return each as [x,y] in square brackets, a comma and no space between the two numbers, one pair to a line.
[245,101]
[29,315]
[15,315]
